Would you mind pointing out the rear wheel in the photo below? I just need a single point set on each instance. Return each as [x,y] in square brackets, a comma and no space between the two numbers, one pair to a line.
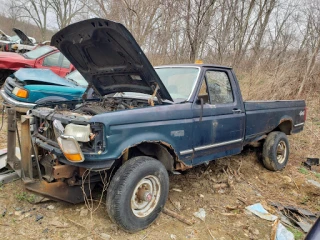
[276,151]
[137,193]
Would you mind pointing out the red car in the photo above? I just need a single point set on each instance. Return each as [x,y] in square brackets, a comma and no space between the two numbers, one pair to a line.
[46,57]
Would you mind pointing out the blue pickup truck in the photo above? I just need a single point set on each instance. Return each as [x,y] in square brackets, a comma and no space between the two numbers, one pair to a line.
[147,122]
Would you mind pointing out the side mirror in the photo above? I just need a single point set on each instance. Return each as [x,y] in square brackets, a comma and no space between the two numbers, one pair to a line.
[201,100]
[204,99]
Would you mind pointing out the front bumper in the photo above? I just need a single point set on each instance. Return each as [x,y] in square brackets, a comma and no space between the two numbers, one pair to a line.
[19,106]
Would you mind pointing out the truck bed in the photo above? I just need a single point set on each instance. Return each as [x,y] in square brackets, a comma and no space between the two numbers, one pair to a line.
[264,116]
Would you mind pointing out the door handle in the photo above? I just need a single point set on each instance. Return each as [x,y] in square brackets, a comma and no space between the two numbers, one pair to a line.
[236,110]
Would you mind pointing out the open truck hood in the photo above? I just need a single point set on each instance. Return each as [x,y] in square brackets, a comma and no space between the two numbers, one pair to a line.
[108,57]
[23,37]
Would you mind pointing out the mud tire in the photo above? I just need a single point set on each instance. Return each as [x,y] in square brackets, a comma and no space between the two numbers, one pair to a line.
[123,188]
[275,152]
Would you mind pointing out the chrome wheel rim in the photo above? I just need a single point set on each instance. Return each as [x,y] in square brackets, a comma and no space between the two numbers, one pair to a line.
[281,152]
[145,196]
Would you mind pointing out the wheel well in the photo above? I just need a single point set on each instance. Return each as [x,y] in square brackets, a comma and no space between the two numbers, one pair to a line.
[285,127]
[158,150]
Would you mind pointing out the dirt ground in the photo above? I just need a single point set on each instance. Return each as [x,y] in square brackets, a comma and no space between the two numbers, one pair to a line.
[247,180]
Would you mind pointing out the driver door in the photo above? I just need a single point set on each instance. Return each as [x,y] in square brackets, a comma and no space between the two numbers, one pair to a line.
[218,128]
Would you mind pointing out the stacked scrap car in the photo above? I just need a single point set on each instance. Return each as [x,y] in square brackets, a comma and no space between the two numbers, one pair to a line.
[28,86]
[45,57]
[19,43]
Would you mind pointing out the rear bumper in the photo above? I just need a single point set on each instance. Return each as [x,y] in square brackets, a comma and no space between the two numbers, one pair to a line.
[19,106]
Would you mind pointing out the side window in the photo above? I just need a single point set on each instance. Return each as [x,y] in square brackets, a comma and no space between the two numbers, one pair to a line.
[219,87]
[65,63]
[52,60]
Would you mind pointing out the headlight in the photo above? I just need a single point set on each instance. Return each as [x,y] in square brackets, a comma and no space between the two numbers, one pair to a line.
[80,132]
[20,92]
[70,148]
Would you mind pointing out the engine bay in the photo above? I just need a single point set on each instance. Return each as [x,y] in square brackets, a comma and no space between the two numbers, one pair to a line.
[109,105]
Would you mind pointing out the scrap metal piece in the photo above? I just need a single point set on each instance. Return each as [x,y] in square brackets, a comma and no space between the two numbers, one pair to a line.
[13,154]
[60,190]
[8,176]
[298,216]
[311,162]
[26,149]
[258,210]
[63,171]
[3,158]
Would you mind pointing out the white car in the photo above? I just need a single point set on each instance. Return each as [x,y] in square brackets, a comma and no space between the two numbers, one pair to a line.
[16,43]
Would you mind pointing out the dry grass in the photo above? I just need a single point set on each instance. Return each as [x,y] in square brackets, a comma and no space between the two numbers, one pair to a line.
[283,84]
[272,81]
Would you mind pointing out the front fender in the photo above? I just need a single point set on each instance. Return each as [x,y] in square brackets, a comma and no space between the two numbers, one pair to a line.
[177,134]
[116,147]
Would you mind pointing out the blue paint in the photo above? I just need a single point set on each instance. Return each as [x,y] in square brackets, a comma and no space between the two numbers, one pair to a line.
[42,83]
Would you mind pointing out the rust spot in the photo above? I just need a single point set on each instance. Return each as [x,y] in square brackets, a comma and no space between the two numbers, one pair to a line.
[181,166]
[125,155]
[63,171]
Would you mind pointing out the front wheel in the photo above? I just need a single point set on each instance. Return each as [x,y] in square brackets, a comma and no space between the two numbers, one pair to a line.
[276,151]
[137,193]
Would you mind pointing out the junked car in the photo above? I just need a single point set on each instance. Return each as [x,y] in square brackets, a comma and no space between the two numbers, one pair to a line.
[30,86]
[45,57]
[25,44]
[18,43]
[193,114]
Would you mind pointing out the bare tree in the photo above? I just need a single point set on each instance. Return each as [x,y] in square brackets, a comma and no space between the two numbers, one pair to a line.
[37,11]
[66,10]
[12,13]
[197,16]
[313,23]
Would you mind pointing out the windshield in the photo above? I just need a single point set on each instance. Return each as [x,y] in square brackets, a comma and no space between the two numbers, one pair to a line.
[179,81]
[78,78]
[38,52]
[14,38]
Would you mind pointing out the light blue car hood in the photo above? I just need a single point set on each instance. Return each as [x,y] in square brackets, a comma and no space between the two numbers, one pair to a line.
[41,76]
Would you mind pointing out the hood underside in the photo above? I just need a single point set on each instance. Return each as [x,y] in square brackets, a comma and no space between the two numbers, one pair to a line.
[108,57]
[23,37]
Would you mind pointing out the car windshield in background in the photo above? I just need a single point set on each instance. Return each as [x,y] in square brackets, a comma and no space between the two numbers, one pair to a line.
[38,52]
[14,38]
[179,81]
[75,76]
